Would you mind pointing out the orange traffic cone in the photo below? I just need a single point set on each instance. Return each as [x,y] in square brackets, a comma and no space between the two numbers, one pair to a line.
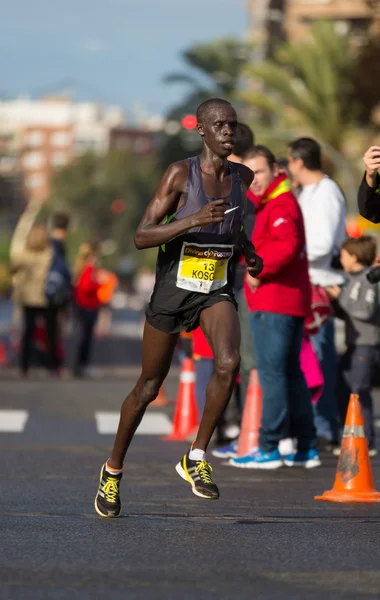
[186,412]
[162,399]
[249,431]
[353,480]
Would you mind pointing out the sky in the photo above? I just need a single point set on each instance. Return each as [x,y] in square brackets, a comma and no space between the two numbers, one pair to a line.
[109,51]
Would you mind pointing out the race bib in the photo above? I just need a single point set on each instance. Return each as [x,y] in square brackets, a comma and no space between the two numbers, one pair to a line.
[203,268]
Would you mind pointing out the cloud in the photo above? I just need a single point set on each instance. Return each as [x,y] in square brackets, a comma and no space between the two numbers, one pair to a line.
[93,46]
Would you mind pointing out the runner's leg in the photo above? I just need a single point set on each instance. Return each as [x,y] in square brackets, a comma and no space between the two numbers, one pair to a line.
[220,325]
[158,349]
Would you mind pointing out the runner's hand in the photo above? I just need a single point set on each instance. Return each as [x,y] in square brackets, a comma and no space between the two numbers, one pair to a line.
[371,160]
[212,212]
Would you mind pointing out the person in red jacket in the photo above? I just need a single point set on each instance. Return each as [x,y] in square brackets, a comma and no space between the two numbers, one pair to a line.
[87,303]
[279,300]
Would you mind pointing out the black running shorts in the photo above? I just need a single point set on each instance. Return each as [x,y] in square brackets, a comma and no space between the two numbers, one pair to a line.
[184,318]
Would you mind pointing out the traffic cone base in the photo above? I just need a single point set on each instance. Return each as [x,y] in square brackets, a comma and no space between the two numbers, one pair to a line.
[353,480]
[185,418]
[332,496]
[250,425]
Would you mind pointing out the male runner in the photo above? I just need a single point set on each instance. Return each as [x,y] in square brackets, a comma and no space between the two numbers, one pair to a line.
[195,218]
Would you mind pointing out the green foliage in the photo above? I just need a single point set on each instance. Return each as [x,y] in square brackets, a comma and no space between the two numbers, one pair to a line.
[307,86]
[88,187]
[365,78]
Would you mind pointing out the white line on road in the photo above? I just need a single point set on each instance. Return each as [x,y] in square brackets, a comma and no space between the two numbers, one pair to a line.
[13,421]
[152,424]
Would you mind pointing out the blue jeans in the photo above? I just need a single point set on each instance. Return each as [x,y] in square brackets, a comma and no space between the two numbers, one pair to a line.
[326,409]
[355,374]
[287,406]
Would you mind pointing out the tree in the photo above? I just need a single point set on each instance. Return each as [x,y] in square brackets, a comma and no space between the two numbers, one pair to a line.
[365,77]
[306,89]
[89,186]
[307,85]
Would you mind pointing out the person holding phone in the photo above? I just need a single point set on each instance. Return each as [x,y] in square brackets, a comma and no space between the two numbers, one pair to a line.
[369,190]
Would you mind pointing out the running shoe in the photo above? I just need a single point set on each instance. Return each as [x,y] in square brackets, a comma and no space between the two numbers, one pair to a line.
[198,474]
[107,501]
[258,460]
[308,459]
[229,451]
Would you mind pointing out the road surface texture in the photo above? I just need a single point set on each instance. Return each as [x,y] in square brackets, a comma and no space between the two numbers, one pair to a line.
[266,538]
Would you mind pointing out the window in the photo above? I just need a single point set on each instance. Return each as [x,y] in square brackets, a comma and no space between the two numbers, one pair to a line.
[35,138]
[35,181]
[33,160]
[60,139]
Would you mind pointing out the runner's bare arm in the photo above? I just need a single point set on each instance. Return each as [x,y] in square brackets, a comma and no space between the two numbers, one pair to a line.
[152,232]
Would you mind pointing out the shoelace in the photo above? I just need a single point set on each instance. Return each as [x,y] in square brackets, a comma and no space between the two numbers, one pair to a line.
[204,469]
[111,489]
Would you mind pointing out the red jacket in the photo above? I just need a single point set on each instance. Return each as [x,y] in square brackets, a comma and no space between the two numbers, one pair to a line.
[86,289]
[201,347]
[279,238]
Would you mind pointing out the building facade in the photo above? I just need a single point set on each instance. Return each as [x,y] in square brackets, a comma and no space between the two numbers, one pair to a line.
[39,136]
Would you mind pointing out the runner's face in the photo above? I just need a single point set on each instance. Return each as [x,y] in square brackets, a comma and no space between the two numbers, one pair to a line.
[264,175]
[218,129]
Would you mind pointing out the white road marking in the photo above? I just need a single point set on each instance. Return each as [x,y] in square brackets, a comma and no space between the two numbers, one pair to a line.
[13,421]
[152,424]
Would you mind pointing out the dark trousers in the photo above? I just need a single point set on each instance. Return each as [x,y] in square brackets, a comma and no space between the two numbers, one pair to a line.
[50,316]
[355,373]
[287,409]
[87,321]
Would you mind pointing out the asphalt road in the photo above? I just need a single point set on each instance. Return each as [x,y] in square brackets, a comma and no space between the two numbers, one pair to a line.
[266,538]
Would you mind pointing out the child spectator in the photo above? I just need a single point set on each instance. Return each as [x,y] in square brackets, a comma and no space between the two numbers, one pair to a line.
[357,303]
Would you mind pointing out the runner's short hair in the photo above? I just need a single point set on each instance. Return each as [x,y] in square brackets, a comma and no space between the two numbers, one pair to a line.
[208,104]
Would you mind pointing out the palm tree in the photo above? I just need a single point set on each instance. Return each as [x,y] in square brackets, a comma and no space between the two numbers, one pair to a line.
[307,85]
[306,90]
[217,68]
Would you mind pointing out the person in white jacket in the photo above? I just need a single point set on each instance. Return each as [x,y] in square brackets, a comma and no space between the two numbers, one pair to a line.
[324,212]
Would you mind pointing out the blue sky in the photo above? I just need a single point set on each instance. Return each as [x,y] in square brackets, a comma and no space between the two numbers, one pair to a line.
[112,51]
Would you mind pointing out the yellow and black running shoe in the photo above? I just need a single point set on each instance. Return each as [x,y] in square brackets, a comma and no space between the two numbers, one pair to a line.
[107,501]
[198,474]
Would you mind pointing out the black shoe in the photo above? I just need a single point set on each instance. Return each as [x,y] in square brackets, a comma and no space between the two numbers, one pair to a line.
[107,501]
[198,474]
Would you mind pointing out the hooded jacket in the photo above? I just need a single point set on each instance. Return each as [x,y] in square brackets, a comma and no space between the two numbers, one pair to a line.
[279,238]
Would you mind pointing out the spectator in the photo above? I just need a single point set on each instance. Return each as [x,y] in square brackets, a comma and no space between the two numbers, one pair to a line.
[87,303]
[357,303]
[324,212]
[369,191]
[31,257]
[60,228]
[279,301]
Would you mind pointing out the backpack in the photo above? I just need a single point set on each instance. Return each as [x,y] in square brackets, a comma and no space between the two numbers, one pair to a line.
[58,289]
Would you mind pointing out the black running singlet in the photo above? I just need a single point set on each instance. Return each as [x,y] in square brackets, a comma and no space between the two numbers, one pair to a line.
[197,265]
